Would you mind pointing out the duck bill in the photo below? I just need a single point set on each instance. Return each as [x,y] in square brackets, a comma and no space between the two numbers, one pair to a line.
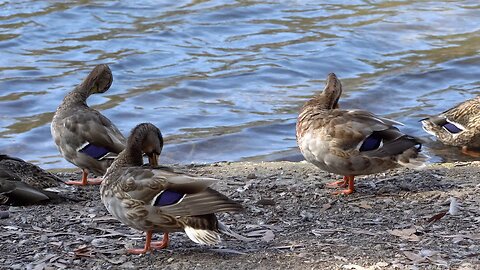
[153,160]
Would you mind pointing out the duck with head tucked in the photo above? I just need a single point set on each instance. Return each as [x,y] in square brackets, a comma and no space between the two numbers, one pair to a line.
[83,136]
[23,183]
[458,126]
[152,199]
[351,142]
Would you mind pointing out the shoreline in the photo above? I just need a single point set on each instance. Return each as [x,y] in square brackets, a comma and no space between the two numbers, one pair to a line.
[386,224]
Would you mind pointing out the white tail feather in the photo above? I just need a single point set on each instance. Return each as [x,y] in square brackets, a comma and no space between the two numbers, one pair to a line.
[205,237]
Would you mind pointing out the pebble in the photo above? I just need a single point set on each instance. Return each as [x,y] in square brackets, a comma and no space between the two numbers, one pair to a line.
[4,214]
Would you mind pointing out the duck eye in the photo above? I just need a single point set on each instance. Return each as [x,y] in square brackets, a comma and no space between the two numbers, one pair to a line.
[372,142]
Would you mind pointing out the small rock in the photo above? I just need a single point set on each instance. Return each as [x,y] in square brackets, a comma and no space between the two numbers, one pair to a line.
[4,214]
[251,176]
[128,265]
[306,216]
[98,242]
[266,201]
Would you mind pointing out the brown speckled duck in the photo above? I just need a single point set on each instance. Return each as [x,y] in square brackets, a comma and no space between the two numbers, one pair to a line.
[83,136]
[351,142]
[157,199]
[23,183]
[458,126]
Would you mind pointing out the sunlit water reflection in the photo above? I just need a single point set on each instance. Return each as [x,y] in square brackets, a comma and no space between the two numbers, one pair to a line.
[224,79]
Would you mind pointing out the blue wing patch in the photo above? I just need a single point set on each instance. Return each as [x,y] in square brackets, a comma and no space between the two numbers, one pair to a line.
[168,197]
[452,128]
[96,152]
[372,142]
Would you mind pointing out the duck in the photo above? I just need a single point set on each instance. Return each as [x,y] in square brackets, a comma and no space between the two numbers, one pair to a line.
[83,135]
[24,183]
[458,126]
[351,142]
[154,198]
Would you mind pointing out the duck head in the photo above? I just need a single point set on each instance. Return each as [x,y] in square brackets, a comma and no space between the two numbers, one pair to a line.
[145,138]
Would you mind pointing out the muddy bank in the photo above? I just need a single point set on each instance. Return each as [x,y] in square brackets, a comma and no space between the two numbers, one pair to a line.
[395,220]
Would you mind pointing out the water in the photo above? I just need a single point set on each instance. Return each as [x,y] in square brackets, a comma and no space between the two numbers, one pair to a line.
[224,79]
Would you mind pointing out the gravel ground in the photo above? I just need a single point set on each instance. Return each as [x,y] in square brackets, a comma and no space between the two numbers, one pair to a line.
[403,219]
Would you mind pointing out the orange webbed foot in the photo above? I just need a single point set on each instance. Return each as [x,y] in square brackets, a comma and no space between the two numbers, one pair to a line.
[137,251]
[344,192]
[85,181]
[349,181]
[335,184]
[471,153]
[161,244]
[89,181]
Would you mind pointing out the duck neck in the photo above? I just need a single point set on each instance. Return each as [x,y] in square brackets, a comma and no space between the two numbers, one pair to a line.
[79,95]
[322,102]
[132,156]
[133,153]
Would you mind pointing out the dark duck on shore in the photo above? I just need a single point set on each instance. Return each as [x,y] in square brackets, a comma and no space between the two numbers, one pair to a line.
[351,142]
[23,183]
[83,136]
[154,199]
[458,126]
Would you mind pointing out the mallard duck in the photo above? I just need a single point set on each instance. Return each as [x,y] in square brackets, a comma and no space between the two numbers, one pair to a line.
[152,199]
[458,126]
[351,142]
[23,183]
[83,136]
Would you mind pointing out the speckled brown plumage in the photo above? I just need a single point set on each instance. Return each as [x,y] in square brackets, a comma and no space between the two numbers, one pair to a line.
[351,142]
[75,124]
[465,117]
[130,190]
[23,183]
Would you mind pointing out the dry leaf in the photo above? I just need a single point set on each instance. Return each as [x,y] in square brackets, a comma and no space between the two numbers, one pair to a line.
[291,247]
[264,234]
[364,205]
[326,206]
[406,234]
[83,251]
[228,251]
[436,218]
[360,231]
[464,236]
[322,232]
[354,266]
[414,257]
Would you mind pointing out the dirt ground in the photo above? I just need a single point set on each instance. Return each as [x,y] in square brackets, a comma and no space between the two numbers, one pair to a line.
[395,220]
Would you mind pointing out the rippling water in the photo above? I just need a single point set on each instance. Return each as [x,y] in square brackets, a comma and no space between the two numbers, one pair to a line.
[224,79]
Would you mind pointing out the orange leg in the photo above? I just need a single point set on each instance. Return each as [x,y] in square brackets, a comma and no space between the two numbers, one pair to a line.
[470,152]
[147,247]
[85,181]
[343,183]
[162,244]
[351,186]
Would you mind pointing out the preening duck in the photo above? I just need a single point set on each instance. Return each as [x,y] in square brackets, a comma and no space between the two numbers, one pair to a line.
[153,199]
[458,126]
[83,136]
[351,142]
[23,183]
